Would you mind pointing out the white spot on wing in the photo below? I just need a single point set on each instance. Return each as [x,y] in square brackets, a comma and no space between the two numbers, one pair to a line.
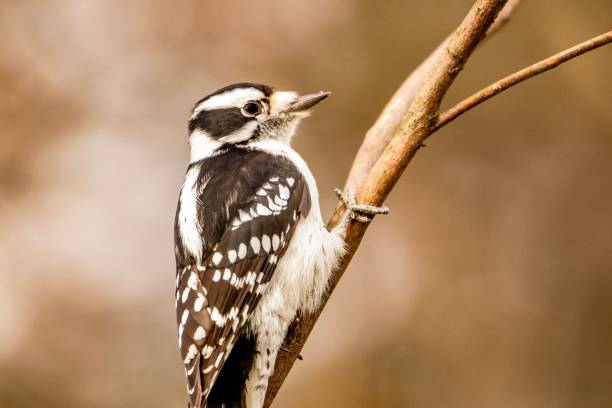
[192,282]
[199,303]
[191,390]
[273,206]
[217,317]
[191,353]
[263,210]
[242,251]
[280,201]
[217,257]
[255,244]
[283,191]
[265,242]
[219,359]
[199,334]
[207,351]
[185,294]
[184,316]
[244,217]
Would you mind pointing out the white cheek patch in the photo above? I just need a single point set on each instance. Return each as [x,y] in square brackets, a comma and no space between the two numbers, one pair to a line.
[281,101]
[236,98]
[202,145]
[242,134]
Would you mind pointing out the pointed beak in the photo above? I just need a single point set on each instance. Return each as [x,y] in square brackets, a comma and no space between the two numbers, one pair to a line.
[305,102]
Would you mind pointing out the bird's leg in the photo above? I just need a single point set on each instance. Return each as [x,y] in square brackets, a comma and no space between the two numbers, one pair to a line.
[359,212]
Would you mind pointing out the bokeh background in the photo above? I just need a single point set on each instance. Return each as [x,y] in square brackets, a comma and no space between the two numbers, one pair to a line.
[489,285]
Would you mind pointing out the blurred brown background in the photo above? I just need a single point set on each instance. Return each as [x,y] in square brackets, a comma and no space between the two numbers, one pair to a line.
[490,285]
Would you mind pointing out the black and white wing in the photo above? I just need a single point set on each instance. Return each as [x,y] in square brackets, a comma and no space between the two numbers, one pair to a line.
[248,204]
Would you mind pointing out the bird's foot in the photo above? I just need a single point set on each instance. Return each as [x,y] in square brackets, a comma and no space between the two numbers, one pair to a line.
[363,213]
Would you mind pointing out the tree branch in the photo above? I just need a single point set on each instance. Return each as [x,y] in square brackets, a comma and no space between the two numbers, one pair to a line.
[386,164]
[518,77]
[414,128]
[379,135]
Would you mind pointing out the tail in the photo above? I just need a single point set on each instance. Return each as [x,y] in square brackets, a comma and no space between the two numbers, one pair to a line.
[228,389]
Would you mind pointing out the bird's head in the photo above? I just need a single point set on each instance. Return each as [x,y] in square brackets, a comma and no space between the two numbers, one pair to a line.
[244,113]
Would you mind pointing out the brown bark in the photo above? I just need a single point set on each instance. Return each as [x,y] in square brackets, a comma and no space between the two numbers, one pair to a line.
[379,135]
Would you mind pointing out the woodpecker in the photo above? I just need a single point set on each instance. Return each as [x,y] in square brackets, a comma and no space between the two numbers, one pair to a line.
[251,247]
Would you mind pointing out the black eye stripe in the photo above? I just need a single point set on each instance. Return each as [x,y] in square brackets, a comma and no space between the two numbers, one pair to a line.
[219,122]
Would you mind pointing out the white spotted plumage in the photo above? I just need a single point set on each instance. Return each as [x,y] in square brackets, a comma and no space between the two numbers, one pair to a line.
[297,252]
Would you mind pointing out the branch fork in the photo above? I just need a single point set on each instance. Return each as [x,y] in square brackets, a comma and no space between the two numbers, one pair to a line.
[410,117]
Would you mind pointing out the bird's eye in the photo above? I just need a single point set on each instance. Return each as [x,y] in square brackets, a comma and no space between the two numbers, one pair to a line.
[252,109]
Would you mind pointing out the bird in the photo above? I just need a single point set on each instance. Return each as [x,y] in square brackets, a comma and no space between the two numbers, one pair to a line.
[251,248]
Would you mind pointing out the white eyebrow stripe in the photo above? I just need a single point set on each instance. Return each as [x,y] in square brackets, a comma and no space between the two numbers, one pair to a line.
[236,98]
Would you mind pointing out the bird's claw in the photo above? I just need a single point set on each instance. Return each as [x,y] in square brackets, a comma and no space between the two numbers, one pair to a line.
[363,213]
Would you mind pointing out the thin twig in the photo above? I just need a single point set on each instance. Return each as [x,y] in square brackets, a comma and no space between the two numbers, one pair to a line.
[378,136]
[519,76]
[415,126]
